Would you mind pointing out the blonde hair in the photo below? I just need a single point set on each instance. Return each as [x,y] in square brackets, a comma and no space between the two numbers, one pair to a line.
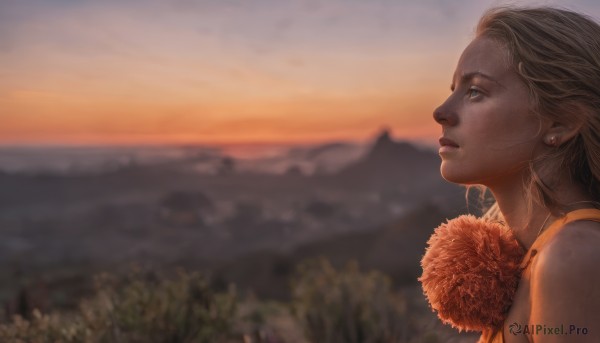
[556,53]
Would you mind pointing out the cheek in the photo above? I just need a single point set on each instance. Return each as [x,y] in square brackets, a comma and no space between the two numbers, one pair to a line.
[515,138]
[505,126]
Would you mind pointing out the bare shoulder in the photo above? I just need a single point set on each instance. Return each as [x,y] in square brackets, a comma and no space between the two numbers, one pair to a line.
[572,255]
[565,283]
[574,249]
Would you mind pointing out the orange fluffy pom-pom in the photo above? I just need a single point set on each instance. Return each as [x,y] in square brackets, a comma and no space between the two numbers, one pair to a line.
[471,271]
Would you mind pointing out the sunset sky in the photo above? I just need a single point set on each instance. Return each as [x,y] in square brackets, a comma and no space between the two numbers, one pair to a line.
[225,71]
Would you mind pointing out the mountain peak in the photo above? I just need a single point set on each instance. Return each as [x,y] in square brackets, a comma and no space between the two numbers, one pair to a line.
[384,137]
[386,147]
[391,162]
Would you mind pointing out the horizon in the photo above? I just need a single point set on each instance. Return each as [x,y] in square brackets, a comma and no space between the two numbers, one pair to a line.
[430,142]
[62,158]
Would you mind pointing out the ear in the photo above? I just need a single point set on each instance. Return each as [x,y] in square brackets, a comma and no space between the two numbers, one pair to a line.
[559,133]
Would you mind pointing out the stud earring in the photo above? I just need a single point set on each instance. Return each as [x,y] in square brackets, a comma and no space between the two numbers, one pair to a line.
[553,141]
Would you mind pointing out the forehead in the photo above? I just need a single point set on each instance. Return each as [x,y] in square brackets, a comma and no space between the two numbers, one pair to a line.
[484,55]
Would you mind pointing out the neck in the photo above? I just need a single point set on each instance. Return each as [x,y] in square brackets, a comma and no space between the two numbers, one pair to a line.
[528,220]
[524,222]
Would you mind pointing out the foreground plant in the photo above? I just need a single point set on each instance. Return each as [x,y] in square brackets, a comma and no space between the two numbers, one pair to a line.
[347,306]
[140,308]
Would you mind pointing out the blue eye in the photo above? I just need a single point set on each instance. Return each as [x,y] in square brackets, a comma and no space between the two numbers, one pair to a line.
[473,92]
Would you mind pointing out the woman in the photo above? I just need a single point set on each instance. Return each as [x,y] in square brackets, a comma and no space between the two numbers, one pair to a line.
[523,120]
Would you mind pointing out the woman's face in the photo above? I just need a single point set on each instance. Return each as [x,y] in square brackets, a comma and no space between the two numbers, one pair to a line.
[488,131]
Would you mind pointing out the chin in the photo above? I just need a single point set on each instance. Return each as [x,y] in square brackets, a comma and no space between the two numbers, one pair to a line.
[458,181]
[456,175]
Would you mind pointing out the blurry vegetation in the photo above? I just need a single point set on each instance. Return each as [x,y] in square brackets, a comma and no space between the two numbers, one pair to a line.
[141,308]
[328,305]
[347,305]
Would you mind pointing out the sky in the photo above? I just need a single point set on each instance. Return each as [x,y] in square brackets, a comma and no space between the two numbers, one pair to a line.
[86,72]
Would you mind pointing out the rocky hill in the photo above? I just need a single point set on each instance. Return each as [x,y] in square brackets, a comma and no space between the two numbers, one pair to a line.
[391,163]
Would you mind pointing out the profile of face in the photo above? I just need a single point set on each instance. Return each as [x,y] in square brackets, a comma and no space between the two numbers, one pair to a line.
[489,133]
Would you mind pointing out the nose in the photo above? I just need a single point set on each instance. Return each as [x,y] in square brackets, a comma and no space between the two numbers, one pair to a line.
[445,115]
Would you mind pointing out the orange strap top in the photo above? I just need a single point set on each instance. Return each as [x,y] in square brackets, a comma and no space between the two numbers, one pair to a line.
[551,231]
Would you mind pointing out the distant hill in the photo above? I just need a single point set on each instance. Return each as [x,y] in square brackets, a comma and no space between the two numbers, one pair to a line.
[311,153]
[395,249]
[394,164]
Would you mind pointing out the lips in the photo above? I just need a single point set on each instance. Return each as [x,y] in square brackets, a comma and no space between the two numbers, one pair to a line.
[447,142]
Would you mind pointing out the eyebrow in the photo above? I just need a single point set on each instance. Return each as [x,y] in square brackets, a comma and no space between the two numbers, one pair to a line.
[469,76]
